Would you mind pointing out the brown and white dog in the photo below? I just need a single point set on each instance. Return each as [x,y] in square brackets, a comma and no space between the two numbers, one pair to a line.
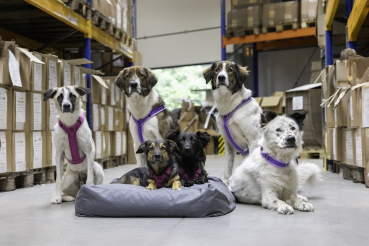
[138,85]
[227,80]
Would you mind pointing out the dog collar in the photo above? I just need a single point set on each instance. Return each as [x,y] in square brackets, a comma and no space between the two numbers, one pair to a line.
[72,137]
[271,160]
[228,133]
[141,122]
[183,174]
[159,180]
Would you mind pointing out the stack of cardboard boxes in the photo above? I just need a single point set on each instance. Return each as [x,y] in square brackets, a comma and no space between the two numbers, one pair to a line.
[276,102]
[346,99]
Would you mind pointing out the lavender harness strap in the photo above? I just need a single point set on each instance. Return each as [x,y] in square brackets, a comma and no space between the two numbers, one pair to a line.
[183,173]
[159,180]
[72,137]
[141,122]
[271,160]
[225,125]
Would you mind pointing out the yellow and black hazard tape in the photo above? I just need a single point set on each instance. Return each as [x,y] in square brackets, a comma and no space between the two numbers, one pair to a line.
[221,150]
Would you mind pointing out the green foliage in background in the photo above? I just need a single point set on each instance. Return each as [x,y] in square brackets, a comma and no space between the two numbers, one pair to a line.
[174,84]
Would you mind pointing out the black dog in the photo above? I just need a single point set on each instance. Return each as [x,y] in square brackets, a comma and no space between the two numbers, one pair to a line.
[161,170]
[191,157]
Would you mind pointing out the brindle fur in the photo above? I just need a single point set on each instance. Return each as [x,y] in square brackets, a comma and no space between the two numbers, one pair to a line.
[236,75]
[159,156]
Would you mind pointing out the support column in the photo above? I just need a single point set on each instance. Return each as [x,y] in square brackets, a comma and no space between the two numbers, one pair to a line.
[255,69]
[223,27]
[87,55]
[328,48]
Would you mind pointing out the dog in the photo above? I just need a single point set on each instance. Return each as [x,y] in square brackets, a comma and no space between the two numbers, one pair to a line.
[81,167]
[237,110]
[161,170]
[270,176]
[150,120]
[191,156]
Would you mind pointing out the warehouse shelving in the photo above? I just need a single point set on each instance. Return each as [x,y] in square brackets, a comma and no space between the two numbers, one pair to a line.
[357,17]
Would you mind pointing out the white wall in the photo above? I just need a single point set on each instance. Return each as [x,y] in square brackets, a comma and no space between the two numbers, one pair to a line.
[155,17]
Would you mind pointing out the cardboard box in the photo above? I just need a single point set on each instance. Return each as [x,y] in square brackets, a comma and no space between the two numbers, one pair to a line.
[109,118]
[112,94]
[273,103]
[356,69]
[65,69]
[342,101]
[20,149]
[37,143]
[137,58]
[22,110]
[38,78]
[78,77]
[51,114]
[190,128]
[337,140]
[244,18]
[327,79]
[96,117]
[350,147]
[83,84]
[117,120]
[116,143]
[239,4]
[52,71]
[363,102]
[188,111]
[209,150]
[330,144]
[279,13]
[6,105]
[124,143]
[308,10]
[98,139]
[6,155]
[360,147]
[341,71]
[9,52]
[102,117]
[96,89]
[105,145]
[51,150]
[38,112]
[131,152]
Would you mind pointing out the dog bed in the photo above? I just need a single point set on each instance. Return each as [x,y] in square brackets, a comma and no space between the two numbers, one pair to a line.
[119,200]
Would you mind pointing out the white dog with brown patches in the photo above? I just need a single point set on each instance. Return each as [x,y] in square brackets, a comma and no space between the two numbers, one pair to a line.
[73,141]
[270,176]
[239,113]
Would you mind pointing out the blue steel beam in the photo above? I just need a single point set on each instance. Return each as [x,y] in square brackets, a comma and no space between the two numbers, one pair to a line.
[222,27]
[328,48]
[255,69]
[87,55]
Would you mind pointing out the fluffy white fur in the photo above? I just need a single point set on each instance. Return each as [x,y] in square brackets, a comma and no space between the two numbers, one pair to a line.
[243,125]
[258,182]
[94,171]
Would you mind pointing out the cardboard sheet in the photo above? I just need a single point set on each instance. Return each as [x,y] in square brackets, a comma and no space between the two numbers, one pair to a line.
[53,114]
[37,150]
[37,111]
[53,79]
[20,151]
[67,74]
[14,70]
[20,98]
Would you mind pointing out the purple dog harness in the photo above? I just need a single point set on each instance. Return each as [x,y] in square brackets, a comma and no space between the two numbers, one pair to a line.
[72,137]
[185,175]
[225,125]
[271,160]
[159,180]
[141,122]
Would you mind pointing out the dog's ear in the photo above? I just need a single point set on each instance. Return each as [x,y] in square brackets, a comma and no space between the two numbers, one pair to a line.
[204,138]
[119,80]
[299,117]
[241,74]
[50,93]
[172,146]
[266,117]
[142,147]
[209,72]
[82,90]
[173,135]
[151,78]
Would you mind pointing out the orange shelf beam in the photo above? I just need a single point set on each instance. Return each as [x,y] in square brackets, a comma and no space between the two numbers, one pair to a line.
[270,36]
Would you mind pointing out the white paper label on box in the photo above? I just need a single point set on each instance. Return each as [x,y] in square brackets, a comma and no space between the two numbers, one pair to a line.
[112,93]
[125,19]
[287,17]
[20,151]
[334,144]
[325,112]
[350,109]
[298,103]
[359,160]
[103,95]
[95,109]
[111,118]
[20,104]
[4,108]
[311,13]
[37,76]
[117,94]
[118,143]
[365,107]
[104,143]
[67,74]
[3,159]
[349,150]
[102,116]
[77,76]
[53,79]
[119,16]
[98,145]
[53,160]
[108,144]
[14,70]
[124,143]
[37,150]
[53,115]
[37,111]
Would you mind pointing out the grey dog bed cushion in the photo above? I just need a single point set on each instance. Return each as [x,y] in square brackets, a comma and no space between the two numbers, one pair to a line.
[121,200]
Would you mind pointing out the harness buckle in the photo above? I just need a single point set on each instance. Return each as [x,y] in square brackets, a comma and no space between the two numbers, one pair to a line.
[71,130]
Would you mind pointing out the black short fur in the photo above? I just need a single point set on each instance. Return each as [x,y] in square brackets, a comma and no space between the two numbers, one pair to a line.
[299,117]
[191,154]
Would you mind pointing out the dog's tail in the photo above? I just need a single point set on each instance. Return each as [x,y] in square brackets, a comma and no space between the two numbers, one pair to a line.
[309,174]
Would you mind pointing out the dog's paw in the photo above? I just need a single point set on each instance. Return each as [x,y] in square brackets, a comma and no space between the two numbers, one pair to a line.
[56,200]
[151,186]
[199,181]
[285,209]
[90,182]
[302,198]
[188,184]
[305,206]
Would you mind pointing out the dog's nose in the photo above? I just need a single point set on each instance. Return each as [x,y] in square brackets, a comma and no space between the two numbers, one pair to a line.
[221,77]
[133,84]
[290,139]
[187,147]
[66,106]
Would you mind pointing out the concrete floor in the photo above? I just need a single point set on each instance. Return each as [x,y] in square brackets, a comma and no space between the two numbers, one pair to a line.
[341,218]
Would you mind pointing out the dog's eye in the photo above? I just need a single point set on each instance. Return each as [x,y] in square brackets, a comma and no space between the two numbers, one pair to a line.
[72,96]
[230,70]
[293,128]
[60,97]
[151,148]
[217,70]
[162,148]
[140,74]
[279,130]
[183,139]
[191,138]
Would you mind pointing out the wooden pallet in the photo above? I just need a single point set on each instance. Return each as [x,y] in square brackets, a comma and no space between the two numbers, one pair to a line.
[354,173]
[242,32]
[81,7]
[306,24]
[366,178]
[50,175]
[105,163]
[336,168]
[99,20]
[312,154]
[7,182]
[280,28]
